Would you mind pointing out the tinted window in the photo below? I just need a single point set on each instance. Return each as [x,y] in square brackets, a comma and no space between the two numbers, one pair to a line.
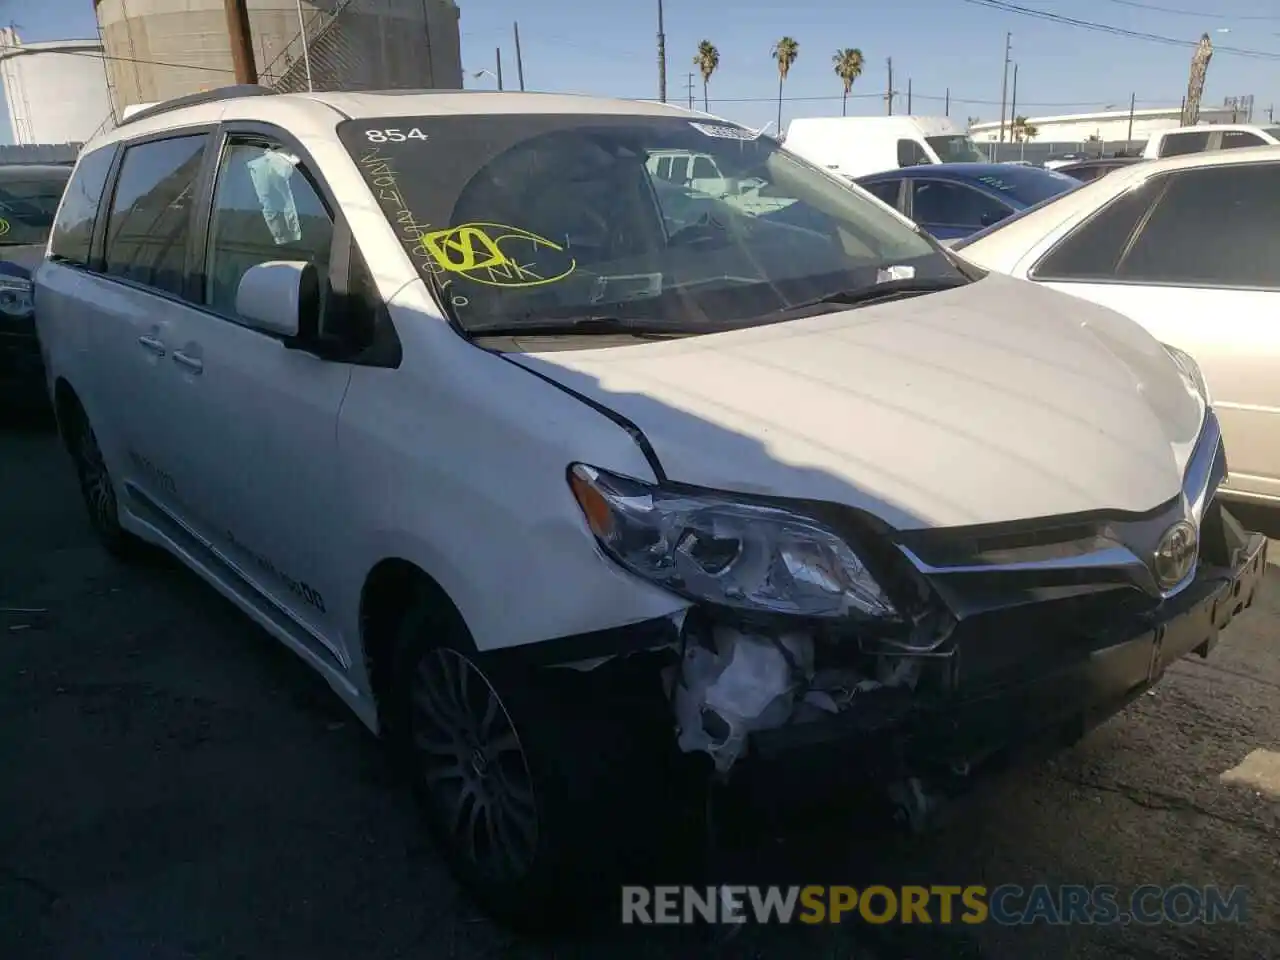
[886,190]
[264,209]
[1092,250]
[1084,174]
[954,204]
[956,148]
[1214,226]
[150,222]
[73,229]
[28,204]
[911,153]
[1176,144]
[704,169]
[1233,139]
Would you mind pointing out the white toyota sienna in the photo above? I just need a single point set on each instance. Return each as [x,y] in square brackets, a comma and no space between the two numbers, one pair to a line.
[558,470]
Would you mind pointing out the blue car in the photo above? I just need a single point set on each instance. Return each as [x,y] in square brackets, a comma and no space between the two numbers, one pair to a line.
[953,200]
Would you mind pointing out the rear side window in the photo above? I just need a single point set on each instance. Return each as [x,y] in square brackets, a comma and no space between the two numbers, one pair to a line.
[1177,144]
[911,153]
[73,229]
[1234,139]
[704,169]
[886,190]
[1093,249]
[149,227]
[941,203]
[1213,226]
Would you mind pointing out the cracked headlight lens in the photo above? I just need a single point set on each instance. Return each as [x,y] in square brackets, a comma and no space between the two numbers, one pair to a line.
[714,548]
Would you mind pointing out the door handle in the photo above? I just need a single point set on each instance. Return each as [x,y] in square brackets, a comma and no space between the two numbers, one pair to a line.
[194,364]
[152,344]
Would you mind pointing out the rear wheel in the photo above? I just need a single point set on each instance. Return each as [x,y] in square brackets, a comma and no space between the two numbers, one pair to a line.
[98,490]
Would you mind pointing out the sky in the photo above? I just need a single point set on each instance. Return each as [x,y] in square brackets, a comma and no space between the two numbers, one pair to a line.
[609,48]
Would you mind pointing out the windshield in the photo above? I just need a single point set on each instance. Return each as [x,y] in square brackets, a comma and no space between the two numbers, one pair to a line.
[1025,186]
[525,218]
[956,148]
[28,204]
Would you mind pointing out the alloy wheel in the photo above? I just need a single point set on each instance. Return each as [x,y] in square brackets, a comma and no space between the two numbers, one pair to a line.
[473,766]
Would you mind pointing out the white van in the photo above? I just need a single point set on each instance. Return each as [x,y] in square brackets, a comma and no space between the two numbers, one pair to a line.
[858,146]
[1225,136]
[580,505]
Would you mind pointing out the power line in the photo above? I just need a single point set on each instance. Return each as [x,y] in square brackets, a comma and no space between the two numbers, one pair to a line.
[1114,31]
[1202,14]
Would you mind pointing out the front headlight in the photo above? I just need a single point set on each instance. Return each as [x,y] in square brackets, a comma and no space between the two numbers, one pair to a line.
[741,555]
[15,297]
[1190,371]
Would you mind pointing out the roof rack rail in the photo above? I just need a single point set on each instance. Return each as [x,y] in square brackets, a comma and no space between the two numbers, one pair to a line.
[204,96]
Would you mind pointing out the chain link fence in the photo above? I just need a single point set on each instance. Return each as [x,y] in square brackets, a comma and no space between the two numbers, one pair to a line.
[1037,151]
[370,45]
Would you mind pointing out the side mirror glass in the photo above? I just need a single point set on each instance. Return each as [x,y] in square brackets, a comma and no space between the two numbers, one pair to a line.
[281,297]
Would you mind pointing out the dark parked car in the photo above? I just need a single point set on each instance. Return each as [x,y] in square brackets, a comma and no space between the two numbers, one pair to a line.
[29,197]
[1086,170]
[953,200]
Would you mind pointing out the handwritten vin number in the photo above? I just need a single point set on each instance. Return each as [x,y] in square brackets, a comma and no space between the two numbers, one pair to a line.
[394,135]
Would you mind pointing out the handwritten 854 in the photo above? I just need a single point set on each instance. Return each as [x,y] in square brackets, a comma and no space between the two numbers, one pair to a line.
[394,135]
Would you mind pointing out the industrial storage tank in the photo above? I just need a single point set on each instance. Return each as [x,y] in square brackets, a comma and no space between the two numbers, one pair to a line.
[56,91]
[160,49]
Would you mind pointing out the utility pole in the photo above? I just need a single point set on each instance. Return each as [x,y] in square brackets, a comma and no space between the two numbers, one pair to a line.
[241,37]
[946,110]
[1004,84]
[1271,114]
[1132,102]
[662,58]
[1013,104]
[497,58]
[908,96]
[519,58]
[689,86]
[306,54]
[888,94]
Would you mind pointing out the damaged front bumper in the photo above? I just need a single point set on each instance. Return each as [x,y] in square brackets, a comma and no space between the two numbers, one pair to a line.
[1047,670]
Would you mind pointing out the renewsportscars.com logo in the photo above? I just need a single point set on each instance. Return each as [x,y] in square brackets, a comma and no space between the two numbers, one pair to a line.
[1008,904]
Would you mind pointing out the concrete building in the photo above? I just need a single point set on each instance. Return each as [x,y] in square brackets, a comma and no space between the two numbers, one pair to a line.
[56,92]
[159,49]
[1107,126]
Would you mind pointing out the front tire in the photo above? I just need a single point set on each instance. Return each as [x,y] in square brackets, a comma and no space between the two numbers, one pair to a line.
[526,802]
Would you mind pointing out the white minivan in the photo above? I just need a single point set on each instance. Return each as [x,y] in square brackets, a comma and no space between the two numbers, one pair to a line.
[581,505]
[855,147]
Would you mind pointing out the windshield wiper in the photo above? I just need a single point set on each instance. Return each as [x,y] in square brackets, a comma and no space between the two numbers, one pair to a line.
[585,325]
[875,292]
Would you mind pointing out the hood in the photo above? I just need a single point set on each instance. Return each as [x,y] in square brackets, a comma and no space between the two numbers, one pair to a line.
[996,401]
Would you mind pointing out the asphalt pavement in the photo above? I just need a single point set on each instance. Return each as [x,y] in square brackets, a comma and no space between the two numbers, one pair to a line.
[174,784]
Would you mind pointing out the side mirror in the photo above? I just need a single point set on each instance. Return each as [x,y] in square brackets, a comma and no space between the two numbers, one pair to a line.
[281,297]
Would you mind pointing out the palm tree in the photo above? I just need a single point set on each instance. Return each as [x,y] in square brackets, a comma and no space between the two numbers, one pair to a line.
[848,66]
[1022,130]
[785,52]
[707,60]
